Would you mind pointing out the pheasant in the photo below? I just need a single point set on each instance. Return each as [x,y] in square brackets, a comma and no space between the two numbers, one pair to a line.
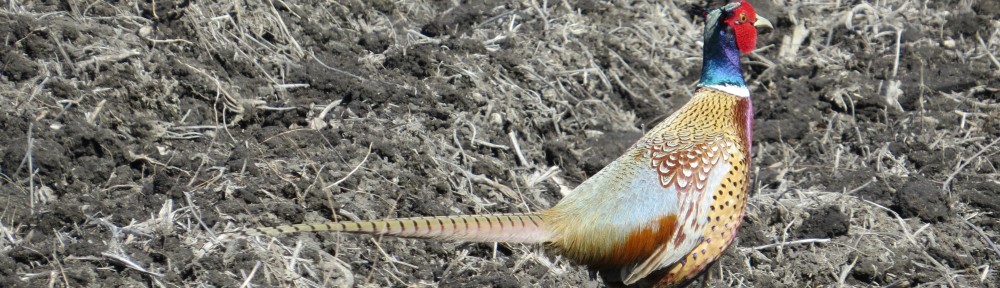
[657,215]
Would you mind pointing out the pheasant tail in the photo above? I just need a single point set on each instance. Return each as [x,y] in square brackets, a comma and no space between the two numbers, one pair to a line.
[511,228]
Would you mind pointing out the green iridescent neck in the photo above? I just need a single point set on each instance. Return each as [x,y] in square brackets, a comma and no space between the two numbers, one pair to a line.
[721,64]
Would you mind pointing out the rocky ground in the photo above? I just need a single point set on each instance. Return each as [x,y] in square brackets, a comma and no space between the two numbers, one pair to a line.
[135,132]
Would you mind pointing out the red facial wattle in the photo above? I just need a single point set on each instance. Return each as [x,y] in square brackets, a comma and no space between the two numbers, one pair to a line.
[742,21]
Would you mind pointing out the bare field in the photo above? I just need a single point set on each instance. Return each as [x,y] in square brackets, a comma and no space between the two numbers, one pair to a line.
[135,132]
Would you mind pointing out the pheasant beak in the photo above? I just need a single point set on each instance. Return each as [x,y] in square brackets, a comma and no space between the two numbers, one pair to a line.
[763,24]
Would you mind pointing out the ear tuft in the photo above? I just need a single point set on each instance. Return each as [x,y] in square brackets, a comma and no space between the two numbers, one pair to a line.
[698,11]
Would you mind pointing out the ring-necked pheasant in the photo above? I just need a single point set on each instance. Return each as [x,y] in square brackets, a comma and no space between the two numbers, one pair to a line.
[659,214]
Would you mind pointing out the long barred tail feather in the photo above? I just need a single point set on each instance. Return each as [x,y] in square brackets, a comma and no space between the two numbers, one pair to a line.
[511,228]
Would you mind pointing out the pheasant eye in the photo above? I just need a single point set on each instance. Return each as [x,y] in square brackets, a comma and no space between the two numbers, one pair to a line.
[743,18]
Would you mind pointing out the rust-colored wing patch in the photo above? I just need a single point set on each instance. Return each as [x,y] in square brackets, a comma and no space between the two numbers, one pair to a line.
[641,243]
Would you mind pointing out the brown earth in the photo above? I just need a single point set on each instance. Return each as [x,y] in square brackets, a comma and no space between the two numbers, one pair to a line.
[135,132]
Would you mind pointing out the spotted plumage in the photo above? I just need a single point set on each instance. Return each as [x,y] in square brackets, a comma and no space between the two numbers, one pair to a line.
[657,215]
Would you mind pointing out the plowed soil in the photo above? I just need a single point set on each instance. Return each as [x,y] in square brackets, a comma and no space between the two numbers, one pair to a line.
[134,132]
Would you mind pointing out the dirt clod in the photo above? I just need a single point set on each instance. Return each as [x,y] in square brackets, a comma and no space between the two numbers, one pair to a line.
[826,222]
[924,199]
[15,66]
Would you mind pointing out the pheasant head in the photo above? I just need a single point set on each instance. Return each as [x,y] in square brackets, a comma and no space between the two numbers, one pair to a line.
[730,31]
[741,20]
